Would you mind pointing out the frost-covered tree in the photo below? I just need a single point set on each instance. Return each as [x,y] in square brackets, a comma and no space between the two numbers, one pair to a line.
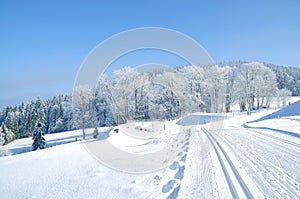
[128,93]
[160,94]
[21,119]
[67,113]
[2,135]
[121,94]
[194,75]
[58,114]
[216,85]
[104,101]
[7,134]
[34,113]
[265,87]
[84,114]
[12,122]
[283,96]
[38,139]
[29,121]
[255,83]
[230,98]
[287,78]
[154,102]
[177,98]
[244,86]
[55,117]
[39,114]
[2,140]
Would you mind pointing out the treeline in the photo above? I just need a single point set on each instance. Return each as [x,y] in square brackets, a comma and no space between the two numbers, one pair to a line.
[164,94]
[154,95]
[287,77]
[19,121]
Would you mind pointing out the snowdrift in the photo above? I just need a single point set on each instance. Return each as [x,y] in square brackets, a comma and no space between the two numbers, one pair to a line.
[290,110]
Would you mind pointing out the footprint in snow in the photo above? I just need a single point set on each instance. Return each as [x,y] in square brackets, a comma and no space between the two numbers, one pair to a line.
[167,187]
[174,165]
[157,177]
[156,180]
[183,158]
[174,193]
[180,173]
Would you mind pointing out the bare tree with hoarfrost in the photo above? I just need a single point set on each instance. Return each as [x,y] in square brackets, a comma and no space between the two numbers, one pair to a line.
[104,101]
[127,93]
[84,115]
[244,87]
[230,98]
[194,75]
[283,95]
[255,83]
[121,93]
[177,93]
[211,86]
[215,81]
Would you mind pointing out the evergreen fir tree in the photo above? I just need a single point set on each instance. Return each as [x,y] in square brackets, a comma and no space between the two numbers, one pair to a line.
[2,140]
[38,139]
[12,123]
[29,121]
[7,134]
[2,134]
[15,129]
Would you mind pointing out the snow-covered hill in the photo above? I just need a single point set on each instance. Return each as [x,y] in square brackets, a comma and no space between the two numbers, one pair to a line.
[244,159]
[290,110]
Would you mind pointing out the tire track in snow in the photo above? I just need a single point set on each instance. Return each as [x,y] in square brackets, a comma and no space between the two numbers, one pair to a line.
[255,169]
[283,146]
[275,181]
[275,138]
[244,187]
[197,182]
[225,171]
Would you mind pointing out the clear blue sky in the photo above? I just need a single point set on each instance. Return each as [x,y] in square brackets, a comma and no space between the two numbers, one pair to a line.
[43,43]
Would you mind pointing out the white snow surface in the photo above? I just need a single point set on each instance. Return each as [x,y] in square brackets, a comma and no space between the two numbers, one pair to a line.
[251,156]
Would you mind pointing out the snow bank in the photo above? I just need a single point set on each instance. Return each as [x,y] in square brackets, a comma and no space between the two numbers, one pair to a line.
[290,110]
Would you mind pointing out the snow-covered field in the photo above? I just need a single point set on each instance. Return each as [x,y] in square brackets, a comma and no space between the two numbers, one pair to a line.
[251,156]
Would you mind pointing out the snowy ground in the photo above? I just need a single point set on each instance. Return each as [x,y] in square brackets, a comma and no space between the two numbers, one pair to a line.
[251,156]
